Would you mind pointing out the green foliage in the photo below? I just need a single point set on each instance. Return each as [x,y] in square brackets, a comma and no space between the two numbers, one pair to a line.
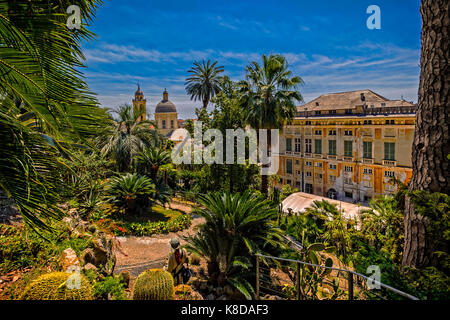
[149,228]
[21,247]
[45,107]
[150,160]
[382,227]
[204,81]
[127,136]
[154,284]
[56,286]
[286,191]
[158,221]
[236,227]
[109,287]
[436,208]
[428,283]
[130,193]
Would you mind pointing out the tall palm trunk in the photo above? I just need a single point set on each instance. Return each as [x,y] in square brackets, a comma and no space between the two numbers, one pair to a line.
[264,177]
[431,141]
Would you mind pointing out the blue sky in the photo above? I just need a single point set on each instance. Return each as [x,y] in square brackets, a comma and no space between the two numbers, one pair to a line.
[326,42]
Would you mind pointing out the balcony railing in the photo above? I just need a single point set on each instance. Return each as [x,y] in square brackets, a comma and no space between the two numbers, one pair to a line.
[332,157]
[367,161]
[365,112]
[347,159]
[318,155]
[389,163]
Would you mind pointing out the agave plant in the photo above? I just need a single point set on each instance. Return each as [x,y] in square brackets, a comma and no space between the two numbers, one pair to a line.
[131,194]
[237,226]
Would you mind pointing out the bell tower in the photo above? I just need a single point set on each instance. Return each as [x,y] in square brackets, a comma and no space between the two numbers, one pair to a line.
[140,104]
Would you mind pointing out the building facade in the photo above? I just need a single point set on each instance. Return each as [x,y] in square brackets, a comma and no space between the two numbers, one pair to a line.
[348,146]
[166,115]
[140,104]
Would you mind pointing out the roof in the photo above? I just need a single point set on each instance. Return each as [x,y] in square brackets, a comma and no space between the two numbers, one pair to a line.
[165,106]
[138,91]
[350,100]
[179,135]
[299,201]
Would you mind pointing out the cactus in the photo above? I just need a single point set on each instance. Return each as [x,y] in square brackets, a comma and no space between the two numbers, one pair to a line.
[55,286]
[154,284]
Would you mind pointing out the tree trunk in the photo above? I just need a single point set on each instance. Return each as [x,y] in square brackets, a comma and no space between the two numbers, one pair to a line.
[431,141]
[230,177]
[265,178]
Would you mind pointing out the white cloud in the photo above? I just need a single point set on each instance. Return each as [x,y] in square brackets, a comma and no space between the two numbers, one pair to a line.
[387,69]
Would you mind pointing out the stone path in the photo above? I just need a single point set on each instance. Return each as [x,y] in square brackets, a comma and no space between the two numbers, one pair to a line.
[137,254]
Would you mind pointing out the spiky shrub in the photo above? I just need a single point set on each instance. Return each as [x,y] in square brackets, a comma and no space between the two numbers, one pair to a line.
[154,284]
[131,193]
[236,226]
[55,286]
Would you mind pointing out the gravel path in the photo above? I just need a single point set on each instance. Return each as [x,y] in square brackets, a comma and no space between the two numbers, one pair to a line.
[137,254]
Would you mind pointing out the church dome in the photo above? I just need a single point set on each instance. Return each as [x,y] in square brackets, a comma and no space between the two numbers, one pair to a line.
[165,106]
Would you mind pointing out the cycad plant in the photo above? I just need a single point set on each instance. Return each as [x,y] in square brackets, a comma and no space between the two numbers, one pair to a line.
[127,136]
[131,194]
[237,226]
[269,95]
[150,160]
[40,80]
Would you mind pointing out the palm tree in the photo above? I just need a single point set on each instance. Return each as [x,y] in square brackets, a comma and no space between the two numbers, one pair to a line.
[334,224]
[237,226]
[382,225]
[128,136]
[204,81]
[269,94]
[40,79]
[150,159]
[431,146]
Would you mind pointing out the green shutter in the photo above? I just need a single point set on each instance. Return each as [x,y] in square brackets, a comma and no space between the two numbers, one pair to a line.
[389,151]
[348,148]
[318,146]
[332,147]
[288,144]
[289,166]
[367,149]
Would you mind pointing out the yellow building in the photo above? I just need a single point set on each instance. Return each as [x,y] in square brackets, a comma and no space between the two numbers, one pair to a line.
[166,115]
[348,146]
[140,104]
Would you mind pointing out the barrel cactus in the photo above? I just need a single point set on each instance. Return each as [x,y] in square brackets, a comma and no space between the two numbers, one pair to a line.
[57,286]
[154,284]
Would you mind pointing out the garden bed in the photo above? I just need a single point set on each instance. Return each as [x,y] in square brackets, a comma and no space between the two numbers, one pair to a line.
[158,221]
